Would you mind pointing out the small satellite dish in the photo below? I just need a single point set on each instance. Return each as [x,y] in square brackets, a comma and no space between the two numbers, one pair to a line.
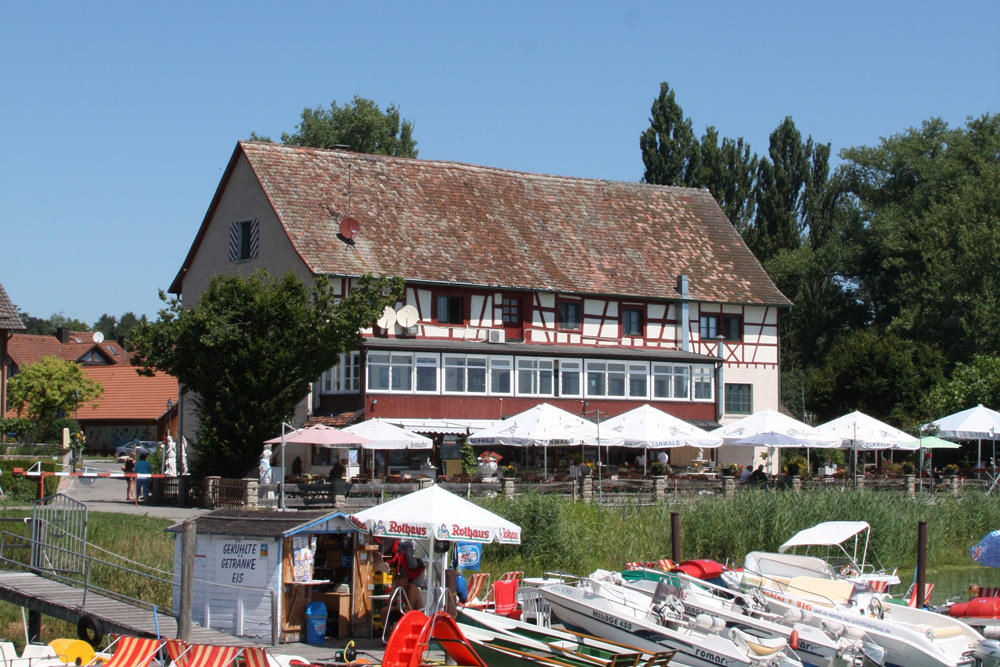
[407,316]
[98,337]
[388,318]
[349,228]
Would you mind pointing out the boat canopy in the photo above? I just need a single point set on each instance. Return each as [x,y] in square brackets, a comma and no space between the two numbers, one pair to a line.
[826,534]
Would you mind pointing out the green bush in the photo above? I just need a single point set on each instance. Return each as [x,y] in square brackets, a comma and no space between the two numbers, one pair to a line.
[469,465]
[25,489]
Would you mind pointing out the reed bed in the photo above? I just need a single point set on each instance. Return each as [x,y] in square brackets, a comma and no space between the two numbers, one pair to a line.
[558,534]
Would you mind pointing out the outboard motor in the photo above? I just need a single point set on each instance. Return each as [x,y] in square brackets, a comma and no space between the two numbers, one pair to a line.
[987,651]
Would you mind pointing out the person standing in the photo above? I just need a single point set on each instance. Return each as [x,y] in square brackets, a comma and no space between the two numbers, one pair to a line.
[129,467]
[142,467]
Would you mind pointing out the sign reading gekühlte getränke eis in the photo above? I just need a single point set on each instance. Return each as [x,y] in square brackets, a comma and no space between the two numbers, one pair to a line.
[242,562]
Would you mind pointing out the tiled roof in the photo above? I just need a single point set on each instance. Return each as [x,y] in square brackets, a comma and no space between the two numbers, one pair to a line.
[9,319]
[128,395]
[452,223]
[337,420]
[27,349]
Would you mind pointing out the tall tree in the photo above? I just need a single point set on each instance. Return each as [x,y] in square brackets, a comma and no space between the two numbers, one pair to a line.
[249,349]
[360,125]
[729,171]
[113,328]
[779,196]
[670,146]
[930,199]
[49,389]
[970,384]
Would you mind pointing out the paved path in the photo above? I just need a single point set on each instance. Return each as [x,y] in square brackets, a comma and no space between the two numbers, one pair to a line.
[108,495]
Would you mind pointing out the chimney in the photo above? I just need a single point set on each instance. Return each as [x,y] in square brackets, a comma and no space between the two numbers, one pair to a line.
[682,289]
[62,333]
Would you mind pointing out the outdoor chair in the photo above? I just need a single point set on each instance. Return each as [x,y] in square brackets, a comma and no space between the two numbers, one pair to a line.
[515,575]
[534,608]
[177,651]
[257,656]
[478,583]
[132,652]
[203,655]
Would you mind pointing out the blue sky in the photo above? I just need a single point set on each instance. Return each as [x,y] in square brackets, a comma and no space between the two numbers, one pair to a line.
[118,118]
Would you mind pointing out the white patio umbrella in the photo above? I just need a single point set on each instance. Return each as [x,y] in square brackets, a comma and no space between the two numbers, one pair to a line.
[383,435]
[434,514]
[649,428]
[770,428]
[860,431]
[543,425]
[978,423]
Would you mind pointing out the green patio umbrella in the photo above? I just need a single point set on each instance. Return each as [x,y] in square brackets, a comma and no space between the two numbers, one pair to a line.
[933,442]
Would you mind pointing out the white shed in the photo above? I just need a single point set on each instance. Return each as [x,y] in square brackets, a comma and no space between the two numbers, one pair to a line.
[256,571]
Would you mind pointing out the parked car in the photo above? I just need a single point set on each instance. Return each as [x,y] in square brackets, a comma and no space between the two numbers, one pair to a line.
[137,447]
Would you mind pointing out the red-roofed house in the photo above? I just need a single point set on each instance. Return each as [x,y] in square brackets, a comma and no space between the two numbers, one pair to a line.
[84,347]
[133,407]
[520,288]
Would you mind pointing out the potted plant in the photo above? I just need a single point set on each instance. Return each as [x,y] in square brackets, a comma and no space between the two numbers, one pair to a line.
[730,470]
[508,471]
[657,469]
[907,468]
[587,468]
[488,462]
[792,468]
[951,470]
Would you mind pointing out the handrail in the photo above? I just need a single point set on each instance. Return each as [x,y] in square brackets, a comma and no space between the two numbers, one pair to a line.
[400,593]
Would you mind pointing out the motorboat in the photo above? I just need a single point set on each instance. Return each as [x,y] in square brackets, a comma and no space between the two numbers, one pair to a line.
[807,589]
[846,547]
[625,615]
[751,614]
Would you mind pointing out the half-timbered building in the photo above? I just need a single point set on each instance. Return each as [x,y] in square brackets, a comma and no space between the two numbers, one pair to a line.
[595,296]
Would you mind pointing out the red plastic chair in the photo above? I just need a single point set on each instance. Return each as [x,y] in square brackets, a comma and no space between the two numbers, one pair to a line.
[133,652]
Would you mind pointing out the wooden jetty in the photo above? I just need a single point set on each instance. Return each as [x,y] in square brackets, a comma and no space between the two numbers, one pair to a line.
[65,602]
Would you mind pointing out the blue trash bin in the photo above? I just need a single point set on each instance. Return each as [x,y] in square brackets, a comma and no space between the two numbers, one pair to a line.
[316,623]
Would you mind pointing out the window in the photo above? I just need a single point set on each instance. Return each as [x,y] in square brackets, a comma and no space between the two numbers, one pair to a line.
[631,321]
[427,372]
[450,310]
[569,377]
[738,399]
[243,240]
[534,377]
[568,315]
[702,380]
[638,380]
[709,326]
[345,377]
[671,381]
[464,375]
[500,370]
[605,378]
[730,327]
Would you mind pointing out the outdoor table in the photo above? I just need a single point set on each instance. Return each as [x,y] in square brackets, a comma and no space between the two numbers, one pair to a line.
[541,581]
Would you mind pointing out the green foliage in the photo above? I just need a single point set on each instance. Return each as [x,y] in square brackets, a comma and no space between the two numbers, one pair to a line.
[360,125]
[46,327]
[931,200]
[19,489]
[729,172]
[113,328]
[882,374]
[249,349]
[469,462]
[970,384]
[669,147]
[18,428]
[50,389]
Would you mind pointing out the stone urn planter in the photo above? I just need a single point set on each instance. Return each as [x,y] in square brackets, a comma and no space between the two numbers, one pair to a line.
[487,470]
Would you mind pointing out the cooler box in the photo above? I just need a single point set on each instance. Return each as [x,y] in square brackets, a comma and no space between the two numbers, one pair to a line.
[316,623]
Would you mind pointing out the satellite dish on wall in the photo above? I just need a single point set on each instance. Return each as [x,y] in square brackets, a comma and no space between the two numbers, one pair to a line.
[407,316]
[388,318]
[349,228]
[98,337]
